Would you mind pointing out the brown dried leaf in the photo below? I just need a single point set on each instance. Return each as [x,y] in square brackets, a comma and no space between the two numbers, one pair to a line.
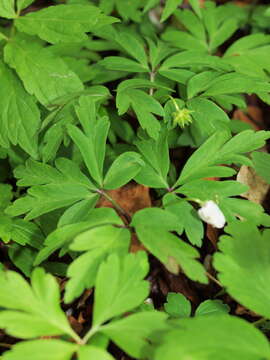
[75,324]
[258,188]
[241,310]
[212,235]
[131,198]
[252,116]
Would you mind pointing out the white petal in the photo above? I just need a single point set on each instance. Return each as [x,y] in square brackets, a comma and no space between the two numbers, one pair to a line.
[211,214]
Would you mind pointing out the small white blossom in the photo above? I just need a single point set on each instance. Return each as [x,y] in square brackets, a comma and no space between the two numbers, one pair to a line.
[211,214]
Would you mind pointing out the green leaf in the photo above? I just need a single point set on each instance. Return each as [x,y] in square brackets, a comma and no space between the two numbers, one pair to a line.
[129,334]
[178,75]
[7,9]
[195,4]
[127,287]
[41,349]
[192,23]
[207,116]
[99,242]
[63,236]
[212,307]
[22,257]
[187,216]
[216,337]
[20,118]
[236,83]
[129,9]
[123,64]
[6,195]
[43,74]
[250,211]
[22,4]
[156,156]
[243,265]
[170,7]
[26,232]
[248,55]
[200,82]
[133,47]
[177,305]
[261,161]
[123,169]
[144,106]
[192,57]
[225,31]
[248,42]
[79,211]
[212,190]
[184,41]
[220,149]
[150,4]
[156,217]
[64,186]
[92,141]
[158,52]
[43,317]
[152,226]
[89,147]
[62,23]
[92,352]
[138,84]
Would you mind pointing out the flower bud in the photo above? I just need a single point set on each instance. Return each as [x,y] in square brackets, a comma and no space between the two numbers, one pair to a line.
[211,214]
[182,117]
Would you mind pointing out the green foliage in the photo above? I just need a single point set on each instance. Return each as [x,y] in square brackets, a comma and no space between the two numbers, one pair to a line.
[190,337]
[177,306]
[250,265]
[115,128]
[261,162]
[44,317]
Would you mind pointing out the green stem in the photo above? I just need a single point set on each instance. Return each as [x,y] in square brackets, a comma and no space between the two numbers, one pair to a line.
[152,75]
[76,338]
[174,103]
[89,334]
[115,204]
[259,322]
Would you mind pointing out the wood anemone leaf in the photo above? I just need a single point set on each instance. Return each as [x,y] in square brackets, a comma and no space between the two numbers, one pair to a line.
[213,337]
[43,74]
[63,23]
[19,118]
[244,267]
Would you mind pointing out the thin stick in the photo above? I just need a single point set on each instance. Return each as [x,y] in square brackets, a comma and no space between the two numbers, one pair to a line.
[211,277]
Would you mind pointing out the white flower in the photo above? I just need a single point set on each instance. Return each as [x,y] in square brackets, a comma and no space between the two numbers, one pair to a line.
[211,214]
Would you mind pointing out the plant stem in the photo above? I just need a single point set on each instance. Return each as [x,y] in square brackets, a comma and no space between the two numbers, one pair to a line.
[89,334]
[211,277]
[115,204]
[5,345]
[152,79]
[259,322]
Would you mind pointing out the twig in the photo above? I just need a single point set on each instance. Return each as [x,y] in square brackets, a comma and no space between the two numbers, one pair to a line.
[211,277]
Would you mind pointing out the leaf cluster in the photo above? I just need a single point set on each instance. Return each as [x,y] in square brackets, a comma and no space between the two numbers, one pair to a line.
[101,95]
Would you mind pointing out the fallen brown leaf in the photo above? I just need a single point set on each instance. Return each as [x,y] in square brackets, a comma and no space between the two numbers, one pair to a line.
[258,188]
[252,116]
[131,198]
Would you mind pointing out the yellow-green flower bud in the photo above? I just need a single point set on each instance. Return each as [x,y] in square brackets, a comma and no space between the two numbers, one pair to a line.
[182,117]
